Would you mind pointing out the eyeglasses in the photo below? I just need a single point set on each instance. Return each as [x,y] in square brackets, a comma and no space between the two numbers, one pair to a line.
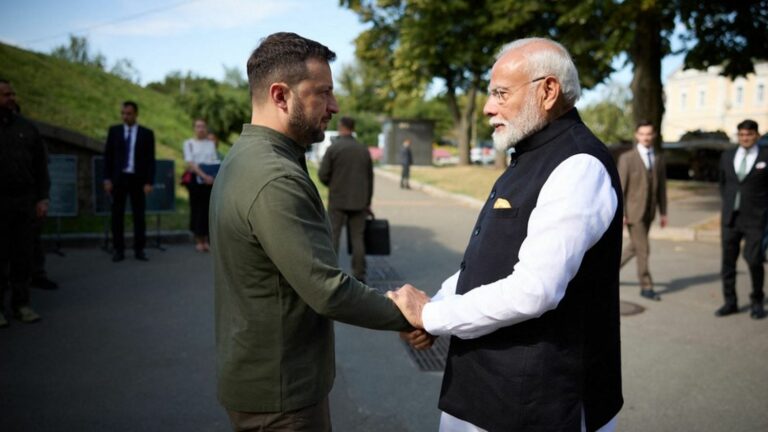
[501,94]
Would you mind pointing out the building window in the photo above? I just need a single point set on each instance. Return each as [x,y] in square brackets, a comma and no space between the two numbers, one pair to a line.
[739,95]
[702,97]
[683,100]
[760,93]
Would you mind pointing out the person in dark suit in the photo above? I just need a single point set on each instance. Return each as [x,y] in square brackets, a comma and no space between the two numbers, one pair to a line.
[406,160]
[347,170]
[644,184]
[129,172]
[744,192]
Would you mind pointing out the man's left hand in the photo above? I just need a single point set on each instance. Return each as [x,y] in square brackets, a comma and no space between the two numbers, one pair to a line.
[41,209]
[147,189]
[663,221]
[410,301]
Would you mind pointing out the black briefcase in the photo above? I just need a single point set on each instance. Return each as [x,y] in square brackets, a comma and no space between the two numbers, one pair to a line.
[376,237]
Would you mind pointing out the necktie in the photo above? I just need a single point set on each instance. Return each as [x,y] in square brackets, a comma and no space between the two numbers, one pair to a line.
[741,173]
[127,148]
[650,160]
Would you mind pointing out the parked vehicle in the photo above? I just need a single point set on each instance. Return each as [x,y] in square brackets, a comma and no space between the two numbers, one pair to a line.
[484,153]
[696,159]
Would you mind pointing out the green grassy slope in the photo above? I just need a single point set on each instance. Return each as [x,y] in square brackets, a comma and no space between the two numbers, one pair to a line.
[87,100]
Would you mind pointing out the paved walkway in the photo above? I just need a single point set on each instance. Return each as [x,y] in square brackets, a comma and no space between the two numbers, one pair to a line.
[129,346]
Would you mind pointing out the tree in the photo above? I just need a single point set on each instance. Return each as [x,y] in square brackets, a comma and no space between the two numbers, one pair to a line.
[223,107]
[732,34]
[611,118]
[124,69]
[78,51]
[412,43]
[234,77]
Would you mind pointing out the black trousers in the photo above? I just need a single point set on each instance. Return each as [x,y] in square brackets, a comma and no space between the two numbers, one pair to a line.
[38,250]
[128,186]
[405,176]
[355,223]
[732,234]
[199,202]
[17,219]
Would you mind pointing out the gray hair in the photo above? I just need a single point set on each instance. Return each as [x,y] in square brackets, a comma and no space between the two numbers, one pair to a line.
[556,62]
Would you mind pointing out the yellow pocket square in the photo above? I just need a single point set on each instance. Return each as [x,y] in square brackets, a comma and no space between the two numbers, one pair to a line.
[501,203]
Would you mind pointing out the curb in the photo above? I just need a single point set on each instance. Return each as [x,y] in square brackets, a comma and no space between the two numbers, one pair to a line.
[75,240]
[688,233]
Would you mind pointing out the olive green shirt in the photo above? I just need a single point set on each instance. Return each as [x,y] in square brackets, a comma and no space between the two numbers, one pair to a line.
[277,282]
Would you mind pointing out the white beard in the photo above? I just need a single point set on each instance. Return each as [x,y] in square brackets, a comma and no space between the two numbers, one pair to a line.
[527,122]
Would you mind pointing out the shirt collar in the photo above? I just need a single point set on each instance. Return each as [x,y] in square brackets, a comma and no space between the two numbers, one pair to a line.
[644,150]
[752,150]
[277,139]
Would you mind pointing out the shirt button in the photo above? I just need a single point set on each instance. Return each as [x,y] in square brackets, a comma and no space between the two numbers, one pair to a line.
[493,194]
[477,231]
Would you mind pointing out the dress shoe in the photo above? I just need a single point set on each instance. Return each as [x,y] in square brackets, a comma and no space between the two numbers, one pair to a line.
[3,321]
[118,256]
[757,311]
[141,256]
[727,309]
[25,314]
[44,283]
[650,294]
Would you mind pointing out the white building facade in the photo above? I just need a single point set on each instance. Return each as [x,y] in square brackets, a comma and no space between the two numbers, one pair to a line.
[708,101]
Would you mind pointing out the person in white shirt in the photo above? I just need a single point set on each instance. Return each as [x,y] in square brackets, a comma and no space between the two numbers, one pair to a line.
[644,184]
[200,153]
[533,312]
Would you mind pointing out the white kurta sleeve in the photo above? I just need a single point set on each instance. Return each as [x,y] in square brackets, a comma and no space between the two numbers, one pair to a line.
[575,208]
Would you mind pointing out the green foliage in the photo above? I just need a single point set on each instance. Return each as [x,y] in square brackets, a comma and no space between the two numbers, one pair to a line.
[726,33]
[87,100]
[611,118]
[78,51]
[224,107]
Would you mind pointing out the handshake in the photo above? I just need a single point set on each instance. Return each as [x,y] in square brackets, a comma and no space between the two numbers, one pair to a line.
[411,301]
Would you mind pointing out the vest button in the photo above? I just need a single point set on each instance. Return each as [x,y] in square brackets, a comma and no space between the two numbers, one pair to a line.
[477,231]
[493,194]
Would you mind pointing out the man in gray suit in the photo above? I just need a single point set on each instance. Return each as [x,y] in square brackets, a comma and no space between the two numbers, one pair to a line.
[347,170]
[644,184]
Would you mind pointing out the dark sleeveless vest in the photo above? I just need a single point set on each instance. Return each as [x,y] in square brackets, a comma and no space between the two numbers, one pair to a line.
[537,375]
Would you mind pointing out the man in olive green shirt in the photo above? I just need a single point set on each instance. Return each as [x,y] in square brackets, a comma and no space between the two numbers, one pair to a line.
[277,283]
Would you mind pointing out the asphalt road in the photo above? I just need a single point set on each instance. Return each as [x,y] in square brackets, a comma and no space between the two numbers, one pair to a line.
[129,346]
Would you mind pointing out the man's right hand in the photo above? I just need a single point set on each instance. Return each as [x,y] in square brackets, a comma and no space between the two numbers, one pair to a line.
[418,339]
[108,187]
[410,301]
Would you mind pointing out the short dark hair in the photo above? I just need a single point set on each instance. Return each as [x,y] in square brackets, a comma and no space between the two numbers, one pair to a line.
[131,104]
[747,124]
[643,123]
[282,57]
[347,122]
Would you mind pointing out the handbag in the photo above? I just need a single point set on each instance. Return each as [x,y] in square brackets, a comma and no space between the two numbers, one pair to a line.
[375,238]
[187,178]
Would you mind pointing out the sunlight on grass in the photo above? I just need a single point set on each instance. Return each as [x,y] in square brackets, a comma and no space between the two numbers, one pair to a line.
[473,180]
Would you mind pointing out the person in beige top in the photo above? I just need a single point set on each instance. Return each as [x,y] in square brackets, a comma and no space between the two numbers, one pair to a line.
[644,184]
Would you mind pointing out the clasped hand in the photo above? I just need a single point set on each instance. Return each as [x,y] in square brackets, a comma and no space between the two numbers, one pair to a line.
[411,302]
